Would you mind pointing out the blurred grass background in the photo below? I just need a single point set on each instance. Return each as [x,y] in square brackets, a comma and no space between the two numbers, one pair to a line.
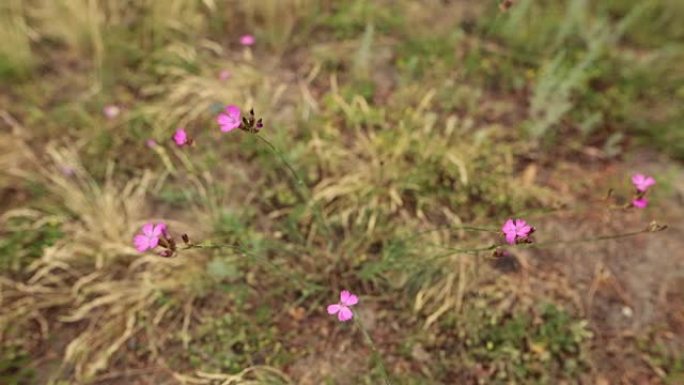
[402,117]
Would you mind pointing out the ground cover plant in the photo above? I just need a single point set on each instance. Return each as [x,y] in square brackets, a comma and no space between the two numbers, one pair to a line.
[341,192]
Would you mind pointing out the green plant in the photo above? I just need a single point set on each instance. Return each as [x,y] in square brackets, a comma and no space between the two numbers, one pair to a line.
[14,366]
[22,242]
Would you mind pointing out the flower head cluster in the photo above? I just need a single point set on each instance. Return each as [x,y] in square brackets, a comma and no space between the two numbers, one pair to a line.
[641,183]
[232,118]
[343,308]
[247,40]
[149,236]
[640,203]
[181,138]
[153,235]
[111,111]
[517,231]
[224,75]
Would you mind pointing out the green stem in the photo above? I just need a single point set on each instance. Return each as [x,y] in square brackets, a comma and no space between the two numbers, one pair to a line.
[583,240]
[299,184]
[549,243]
[377,357]
[280,155]
[451,227]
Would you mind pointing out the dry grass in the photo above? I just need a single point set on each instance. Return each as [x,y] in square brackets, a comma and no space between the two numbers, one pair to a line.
[93,277]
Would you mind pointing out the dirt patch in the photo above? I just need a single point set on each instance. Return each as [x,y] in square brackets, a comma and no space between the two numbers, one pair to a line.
[630,289]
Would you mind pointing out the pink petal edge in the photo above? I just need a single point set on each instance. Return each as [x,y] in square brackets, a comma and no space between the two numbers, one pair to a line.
[148,229]
[345,314]
[141,242]
[510,238]
[351,300]
[334,309]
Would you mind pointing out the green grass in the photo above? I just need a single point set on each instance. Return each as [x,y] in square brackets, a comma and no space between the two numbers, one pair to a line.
[14,368]
[22,243]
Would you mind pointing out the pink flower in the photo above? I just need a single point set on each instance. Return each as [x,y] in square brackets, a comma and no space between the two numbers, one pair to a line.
[516,230]
[67,170]
[247,40]
[148,238]
[342,309]
[640,203]
[180,137]
[151,143]
[224,75]
[111,111]
[642,182]
[229,120]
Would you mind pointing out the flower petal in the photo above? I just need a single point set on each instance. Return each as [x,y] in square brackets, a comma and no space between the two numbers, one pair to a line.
[345,314]
[233,111]
[649,181]
[180,137]
[159,229]
[224,119]
[141,242]
[524,231]
[153,242]
[147,228]
[640,203]
[510,238]
[333,309]
[227,128]
[508,227]
[351,300]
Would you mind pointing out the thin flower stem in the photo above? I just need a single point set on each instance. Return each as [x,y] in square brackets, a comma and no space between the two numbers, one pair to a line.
[377,357]
[280,155]
[560,242]
[584,240]
[450,227]
[299,183]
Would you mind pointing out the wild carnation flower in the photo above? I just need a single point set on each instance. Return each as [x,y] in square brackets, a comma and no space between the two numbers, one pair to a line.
[148,238]
[111,111]
[342,308]
[230,119]
[224,75]
[642,182]
[516,230]
[180,137]
[247,40]
[640,203]
[67,170]
[151,143]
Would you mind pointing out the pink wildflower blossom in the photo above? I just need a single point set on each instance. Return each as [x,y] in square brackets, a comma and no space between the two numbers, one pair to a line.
[342,308]
[640,203]
[516,230]
[151,143]
[642,182]
[148,238]
[247,40]
[67,170]
[229,120]
[180,137]
[224,75]
[111,111]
